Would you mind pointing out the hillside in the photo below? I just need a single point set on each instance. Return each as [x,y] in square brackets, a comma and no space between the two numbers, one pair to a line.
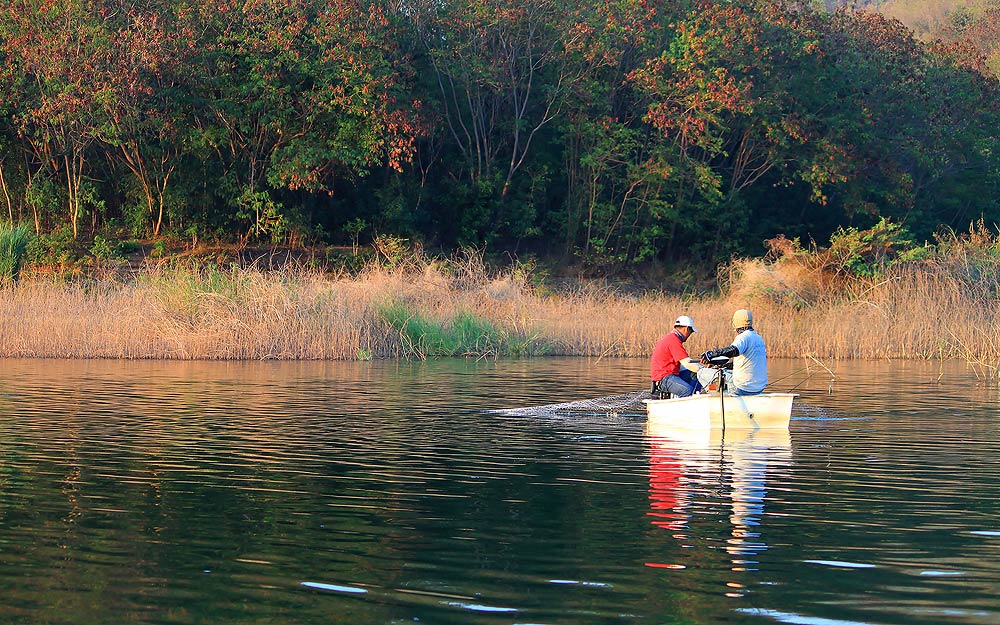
[970,21]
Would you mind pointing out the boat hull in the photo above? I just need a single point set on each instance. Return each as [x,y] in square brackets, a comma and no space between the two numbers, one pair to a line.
[706,412]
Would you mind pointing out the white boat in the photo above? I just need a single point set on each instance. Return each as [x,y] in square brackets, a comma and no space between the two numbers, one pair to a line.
[705,443]
[714,411]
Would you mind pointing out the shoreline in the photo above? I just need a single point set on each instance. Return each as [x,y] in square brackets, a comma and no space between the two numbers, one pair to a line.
[428,310]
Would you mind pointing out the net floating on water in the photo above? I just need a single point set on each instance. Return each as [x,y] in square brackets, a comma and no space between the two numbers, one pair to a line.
[624,404]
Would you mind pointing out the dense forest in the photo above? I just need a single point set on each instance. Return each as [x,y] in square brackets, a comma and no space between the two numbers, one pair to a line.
[606,134]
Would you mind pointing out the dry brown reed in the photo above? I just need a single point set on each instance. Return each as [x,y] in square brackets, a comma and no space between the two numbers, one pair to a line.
[944,309]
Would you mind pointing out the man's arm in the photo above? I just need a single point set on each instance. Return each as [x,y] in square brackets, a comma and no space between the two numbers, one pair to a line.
[729,351]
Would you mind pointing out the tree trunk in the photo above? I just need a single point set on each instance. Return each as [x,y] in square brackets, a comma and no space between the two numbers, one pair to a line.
[6,195]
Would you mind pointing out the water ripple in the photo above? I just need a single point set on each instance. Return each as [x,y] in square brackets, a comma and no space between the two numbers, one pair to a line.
[383,492]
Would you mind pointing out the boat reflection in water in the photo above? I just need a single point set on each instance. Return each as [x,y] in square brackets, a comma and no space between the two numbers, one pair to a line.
[699,477]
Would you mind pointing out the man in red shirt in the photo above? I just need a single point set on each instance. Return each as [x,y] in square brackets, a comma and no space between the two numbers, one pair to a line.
[665,367]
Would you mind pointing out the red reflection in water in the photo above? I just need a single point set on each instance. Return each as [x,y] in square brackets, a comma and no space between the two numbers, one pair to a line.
[733,462]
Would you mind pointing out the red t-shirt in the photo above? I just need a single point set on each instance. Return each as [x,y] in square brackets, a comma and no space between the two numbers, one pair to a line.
[667,356]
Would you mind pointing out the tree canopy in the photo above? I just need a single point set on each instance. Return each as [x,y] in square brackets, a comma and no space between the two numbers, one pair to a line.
[609,133]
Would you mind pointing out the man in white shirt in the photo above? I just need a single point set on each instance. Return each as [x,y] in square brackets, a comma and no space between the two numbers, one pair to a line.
[749,356]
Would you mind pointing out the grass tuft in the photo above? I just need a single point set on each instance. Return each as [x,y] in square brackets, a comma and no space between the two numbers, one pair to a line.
[13,246]
[463,334]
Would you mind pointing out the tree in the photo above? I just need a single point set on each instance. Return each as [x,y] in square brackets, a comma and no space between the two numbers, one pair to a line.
[615,169]
[55,60]
[147,103]
[699,96]
[296,91]
[504,75]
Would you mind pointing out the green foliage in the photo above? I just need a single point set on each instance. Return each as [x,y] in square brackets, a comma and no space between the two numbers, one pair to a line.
[159,249]
[603,132]
[59,248]
[621,201]
[860,262]
[108,250]
[44,194]
[266,217]
[102,249]
[464,335]
[13,248]
[869,253]
[391,251]
[354,228]
[336,261]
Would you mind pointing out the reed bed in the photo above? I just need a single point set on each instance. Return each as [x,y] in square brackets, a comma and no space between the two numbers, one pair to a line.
[428,307]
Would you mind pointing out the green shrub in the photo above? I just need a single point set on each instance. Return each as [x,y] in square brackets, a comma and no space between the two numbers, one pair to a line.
[391,251]
[103,249]
[56,248]
[337,261]
[159,249]
[869,253]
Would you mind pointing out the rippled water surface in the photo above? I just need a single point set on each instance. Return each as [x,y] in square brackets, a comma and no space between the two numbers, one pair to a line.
[367,493]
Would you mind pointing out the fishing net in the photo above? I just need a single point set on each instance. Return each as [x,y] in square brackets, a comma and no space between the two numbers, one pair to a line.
[625,404]
[805,412]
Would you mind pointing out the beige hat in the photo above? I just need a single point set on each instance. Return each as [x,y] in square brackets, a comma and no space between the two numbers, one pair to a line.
[742,318]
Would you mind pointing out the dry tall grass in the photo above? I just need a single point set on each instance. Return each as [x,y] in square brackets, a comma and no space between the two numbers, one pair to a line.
[944,309]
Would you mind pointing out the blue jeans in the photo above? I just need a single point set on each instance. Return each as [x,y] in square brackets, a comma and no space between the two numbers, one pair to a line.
[680,385]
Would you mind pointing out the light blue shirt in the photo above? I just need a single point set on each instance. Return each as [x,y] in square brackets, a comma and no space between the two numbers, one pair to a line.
[750,367]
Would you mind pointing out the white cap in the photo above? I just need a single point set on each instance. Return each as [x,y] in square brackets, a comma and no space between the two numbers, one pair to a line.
[686,322]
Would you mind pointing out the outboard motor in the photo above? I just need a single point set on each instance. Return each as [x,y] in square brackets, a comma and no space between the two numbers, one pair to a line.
[713,375]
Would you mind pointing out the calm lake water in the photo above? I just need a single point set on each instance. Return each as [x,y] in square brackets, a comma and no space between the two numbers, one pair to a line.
[369,493]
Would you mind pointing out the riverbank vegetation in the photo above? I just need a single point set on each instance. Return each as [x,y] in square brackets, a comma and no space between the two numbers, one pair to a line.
[611,136]
[607,157]
[872,294]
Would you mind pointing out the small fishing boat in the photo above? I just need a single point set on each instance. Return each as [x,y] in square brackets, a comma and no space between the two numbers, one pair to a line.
[718,411]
